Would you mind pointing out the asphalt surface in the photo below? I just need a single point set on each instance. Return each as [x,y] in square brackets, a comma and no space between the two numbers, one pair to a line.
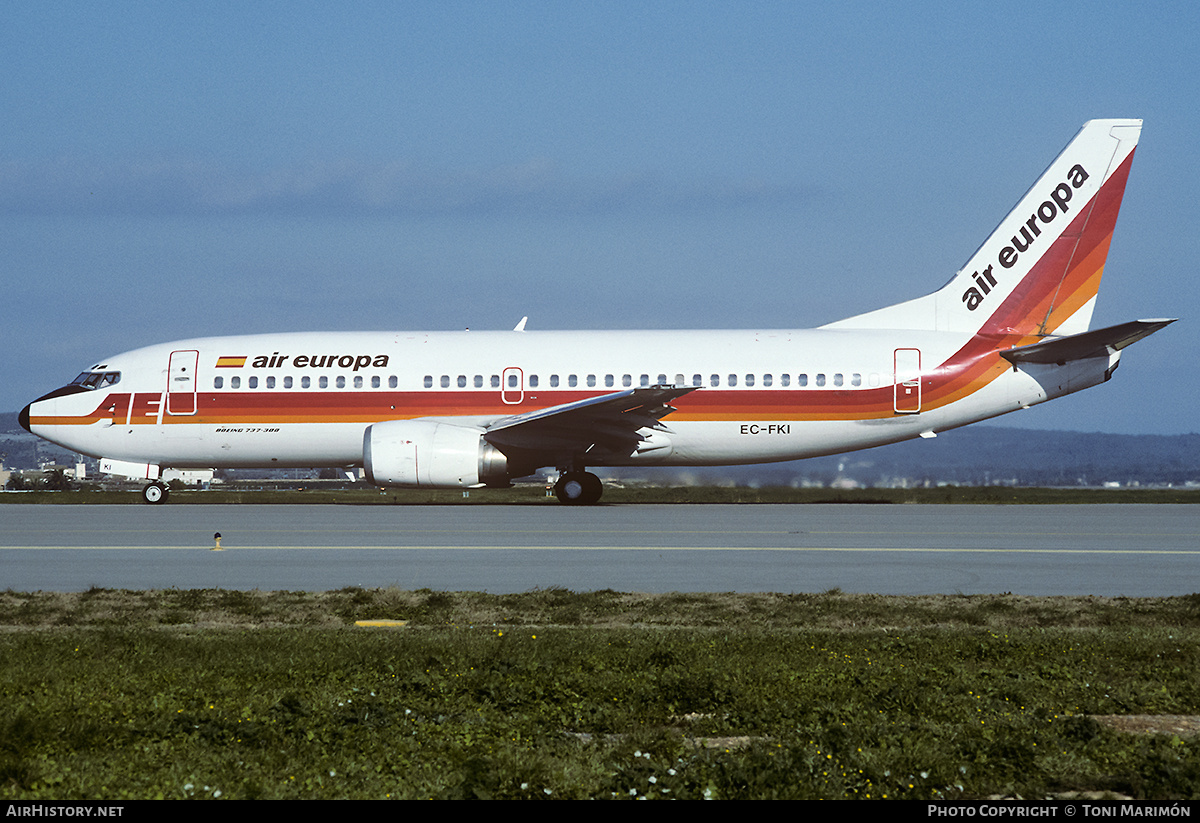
[1105,550]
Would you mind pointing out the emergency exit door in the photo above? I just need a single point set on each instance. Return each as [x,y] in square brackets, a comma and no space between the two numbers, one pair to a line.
[181,382]
[907,381]
[512,386]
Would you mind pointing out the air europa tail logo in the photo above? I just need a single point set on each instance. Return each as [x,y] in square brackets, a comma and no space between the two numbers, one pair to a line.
[1046,213]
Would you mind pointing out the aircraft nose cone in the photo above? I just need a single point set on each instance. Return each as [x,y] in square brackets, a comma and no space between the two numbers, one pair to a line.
[23,419]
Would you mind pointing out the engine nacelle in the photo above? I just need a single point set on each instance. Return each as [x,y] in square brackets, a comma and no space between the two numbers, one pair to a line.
[431,454]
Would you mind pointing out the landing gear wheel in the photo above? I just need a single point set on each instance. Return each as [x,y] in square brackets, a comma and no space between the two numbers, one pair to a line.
[578,489]
[155,493]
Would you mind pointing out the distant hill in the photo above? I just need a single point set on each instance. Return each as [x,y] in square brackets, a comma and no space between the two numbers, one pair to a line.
[988,455]
[973,456]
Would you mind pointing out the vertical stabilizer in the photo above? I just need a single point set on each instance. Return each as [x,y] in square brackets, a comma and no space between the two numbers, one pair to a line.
[1039,271]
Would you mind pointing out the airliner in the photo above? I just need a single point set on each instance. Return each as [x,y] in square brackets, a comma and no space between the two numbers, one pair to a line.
[472,409]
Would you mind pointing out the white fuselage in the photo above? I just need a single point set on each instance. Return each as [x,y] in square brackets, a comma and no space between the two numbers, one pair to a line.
[306,399]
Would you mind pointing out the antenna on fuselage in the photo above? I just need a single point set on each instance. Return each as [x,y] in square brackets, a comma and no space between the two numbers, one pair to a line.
[521,326]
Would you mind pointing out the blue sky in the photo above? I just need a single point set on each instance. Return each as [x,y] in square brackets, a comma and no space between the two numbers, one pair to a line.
[172,170]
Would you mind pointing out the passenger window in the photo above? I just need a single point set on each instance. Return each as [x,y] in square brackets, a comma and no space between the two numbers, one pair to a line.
[341,382]
[375,382]
[479,381]
[749,380]
[766,379]
[837,379]
[856,379]
[591,380]
[287,382]
[533,381]
[732,380]
[429,381]
[445,381]
[358,382]
[323,382]
[554,381]
[512,381]
[802,380]
[627,380]
[235,382]
[820,380]
[609,381]
[495,381]
[393,381]
[573,381]
[305,382]
[714,380]
[697,380]
[252,383]
[785,380]
[462,381]
[270,382]
[218,382]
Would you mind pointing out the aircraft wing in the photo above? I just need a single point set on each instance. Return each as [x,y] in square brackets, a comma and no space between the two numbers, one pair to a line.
[609,421]
[1095,343]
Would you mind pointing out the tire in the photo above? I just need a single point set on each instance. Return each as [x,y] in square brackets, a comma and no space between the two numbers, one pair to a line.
[578,489]
[155,494]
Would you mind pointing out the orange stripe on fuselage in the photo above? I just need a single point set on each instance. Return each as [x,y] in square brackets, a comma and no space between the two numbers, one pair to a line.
[976,364]
[970,369]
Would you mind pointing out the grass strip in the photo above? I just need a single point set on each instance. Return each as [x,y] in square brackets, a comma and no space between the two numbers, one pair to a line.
[271,493]
[112,694]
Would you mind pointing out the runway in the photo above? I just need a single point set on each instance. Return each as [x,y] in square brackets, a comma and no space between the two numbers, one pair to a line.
[1108,550]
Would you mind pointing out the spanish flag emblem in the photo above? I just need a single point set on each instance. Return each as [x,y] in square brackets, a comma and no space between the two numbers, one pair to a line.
[231,362]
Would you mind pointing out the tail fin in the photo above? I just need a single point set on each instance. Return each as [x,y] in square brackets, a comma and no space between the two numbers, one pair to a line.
[1039,271]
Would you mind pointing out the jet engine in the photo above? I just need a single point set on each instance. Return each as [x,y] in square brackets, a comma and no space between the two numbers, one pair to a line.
[431,454]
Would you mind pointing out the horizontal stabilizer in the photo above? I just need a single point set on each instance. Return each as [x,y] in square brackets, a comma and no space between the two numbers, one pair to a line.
[1095,343]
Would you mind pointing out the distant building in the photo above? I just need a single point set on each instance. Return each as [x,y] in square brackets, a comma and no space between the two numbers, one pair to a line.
[193,477]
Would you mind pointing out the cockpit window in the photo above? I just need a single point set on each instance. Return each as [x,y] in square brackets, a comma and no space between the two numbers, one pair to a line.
[97,379]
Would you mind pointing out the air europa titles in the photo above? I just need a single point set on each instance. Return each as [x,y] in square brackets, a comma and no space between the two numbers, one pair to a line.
[320,361]
[1046,213]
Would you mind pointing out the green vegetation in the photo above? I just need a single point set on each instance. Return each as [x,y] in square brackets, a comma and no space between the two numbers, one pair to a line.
[553,694]
[246,492]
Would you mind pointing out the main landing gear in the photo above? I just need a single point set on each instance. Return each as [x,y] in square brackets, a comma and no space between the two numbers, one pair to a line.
[578,488]
[155,493]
